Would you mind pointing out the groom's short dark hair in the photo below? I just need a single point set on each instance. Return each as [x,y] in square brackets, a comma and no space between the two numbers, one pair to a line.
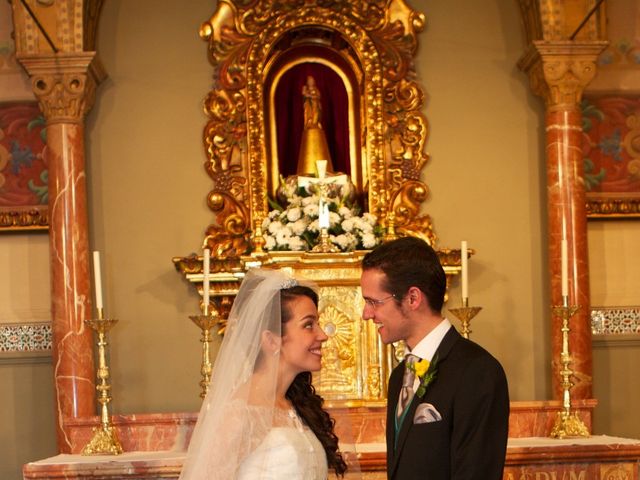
[409,262]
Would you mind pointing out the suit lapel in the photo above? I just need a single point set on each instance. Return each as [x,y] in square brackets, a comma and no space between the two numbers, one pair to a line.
[405,427]
[395,382]
[450,338]
[447,343]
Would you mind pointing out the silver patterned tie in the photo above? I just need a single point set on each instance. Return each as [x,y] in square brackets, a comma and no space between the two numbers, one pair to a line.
[406,393]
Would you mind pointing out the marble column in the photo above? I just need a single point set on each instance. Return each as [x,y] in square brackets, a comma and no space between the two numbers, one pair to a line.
[64,84]
[559,72]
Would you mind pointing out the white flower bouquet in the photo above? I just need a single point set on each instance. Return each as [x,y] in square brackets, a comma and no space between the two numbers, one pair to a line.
[295,226]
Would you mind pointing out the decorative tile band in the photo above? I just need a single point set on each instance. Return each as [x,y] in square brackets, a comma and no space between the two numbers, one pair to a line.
[32,337]
[615,320]
[27,337]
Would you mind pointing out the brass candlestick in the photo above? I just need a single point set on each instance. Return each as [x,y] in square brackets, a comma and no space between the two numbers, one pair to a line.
[567,423]
[105,440]
[390,230]
[206,323]
[324,245]
[257,239]
[465,314]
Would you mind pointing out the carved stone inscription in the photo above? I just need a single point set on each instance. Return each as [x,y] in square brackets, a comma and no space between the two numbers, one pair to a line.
[548,473]
[596,471]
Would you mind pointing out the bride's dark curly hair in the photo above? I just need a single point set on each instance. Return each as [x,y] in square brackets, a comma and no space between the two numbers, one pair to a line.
[303,395]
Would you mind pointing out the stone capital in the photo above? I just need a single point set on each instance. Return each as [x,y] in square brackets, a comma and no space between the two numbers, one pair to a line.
[559,71]
[64,83]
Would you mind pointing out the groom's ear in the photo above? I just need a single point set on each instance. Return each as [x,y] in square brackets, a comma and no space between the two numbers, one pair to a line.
[415,298]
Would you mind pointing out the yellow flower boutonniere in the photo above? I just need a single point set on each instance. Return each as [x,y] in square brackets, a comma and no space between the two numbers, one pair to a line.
[426,373]
[421,367]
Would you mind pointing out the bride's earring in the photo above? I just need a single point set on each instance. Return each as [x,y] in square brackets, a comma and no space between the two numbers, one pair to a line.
[276,352]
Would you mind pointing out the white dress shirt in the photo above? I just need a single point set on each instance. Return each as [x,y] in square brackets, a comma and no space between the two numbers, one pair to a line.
[426,348]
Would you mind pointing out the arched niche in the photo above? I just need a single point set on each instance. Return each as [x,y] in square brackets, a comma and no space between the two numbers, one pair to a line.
[339,80]
[254,46]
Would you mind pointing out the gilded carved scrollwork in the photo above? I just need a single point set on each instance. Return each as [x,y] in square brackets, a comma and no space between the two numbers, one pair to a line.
[618,471]
[379,40]
[613,207]
[370,46]
[352,358]
[339,353]
[404,205]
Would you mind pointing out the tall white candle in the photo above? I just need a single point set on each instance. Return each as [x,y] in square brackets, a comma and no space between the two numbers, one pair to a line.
[465,270]
[206,256]
[321,167]
[323,215]
[97,279]
[564,267]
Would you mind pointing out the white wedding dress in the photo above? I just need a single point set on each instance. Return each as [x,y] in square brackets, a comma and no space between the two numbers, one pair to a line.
[241,434]
[290,452]
[277,446]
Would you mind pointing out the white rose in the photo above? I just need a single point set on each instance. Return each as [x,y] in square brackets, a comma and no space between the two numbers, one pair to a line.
[353,241]
[270,242]
[275,227]
[295,201]
[345,241]
[310,200]
[299,227]
[370,218]
[334,218]
[345,212]
[363,226]
[296,243]
[294,214]
[313,226]
[282,237]
[369,240]
[347,225]
[273,214]
[311,210]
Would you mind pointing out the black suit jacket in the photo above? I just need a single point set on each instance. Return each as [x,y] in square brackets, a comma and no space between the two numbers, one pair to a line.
[470,392]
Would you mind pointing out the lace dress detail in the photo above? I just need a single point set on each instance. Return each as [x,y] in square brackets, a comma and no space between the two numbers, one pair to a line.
[267,444]
[290,450]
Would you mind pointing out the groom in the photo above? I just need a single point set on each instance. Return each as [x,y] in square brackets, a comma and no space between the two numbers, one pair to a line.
[448,410]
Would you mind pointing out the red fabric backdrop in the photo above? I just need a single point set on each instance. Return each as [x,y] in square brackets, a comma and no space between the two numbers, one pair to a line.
[290,118]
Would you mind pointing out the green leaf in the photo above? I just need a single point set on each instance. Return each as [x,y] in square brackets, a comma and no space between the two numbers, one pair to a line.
[429,377]
[274,205]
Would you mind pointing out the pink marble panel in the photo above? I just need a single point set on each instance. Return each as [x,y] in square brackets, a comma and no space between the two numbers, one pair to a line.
[597,458]
[360,425]
[145,465]
[364,425]
[594,458]
[567,219]
[71,300]
[141,433]
[536,419]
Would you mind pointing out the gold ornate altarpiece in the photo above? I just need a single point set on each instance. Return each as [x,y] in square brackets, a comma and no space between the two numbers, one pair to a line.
[370,45]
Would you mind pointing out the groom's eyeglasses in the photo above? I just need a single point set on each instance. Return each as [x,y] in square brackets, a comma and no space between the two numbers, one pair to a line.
[373,303]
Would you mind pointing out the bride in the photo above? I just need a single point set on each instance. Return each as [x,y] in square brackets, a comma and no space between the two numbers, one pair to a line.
[261,418]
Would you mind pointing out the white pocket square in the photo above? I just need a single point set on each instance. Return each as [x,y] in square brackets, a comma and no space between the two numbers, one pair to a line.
[426,413]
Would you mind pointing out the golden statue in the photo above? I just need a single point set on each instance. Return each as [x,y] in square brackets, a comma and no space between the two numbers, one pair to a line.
[314,142]
[312,105]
